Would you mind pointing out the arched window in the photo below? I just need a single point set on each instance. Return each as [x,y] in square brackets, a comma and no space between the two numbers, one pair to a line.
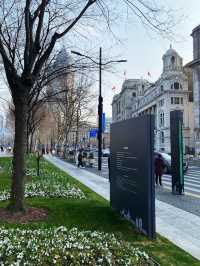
[172,60]
[176,86]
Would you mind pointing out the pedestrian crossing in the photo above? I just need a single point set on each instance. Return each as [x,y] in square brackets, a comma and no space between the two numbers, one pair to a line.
[191,178]
[104,164]
[191,182]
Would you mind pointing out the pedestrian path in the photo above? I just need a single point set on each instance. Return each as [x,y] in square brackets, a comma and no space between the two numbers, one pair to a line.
[5,154]
[191,181]
[180,227]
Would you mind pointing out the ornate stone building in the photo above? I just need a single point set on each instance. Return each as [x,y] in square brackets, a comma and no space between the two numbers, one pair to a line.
[195,65]
[170,92]
[122,102]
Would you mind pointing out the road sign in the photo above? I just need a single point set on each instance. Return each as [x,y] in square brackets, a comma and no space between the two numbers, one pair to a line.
[93,133]
[103,122]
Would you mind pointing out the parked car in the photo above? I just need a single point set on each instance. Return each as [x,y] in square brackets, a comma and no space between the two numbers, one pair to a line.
[105,153]
[167,161]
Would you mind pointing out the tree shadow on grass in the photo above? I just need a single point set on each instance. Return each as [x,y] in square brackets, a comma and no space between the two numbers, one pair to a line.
[83,214]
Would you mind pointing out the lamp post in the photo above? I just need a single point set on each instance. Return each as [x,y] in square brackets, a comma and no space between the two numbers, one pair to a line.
[100,99]
[100,113]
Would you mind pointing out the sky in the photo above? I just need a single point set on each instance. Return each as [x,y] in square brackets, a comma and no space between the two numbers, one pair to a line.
[144,50]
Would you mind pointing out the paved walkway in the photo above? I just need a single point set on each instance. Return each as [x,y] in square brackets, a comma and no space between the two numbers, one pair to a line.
[5,154]
[180,227]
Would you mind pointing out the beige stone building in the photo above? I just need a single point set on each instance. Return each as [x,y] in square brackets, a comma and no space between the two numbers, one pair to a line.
[52,129]
[172,91]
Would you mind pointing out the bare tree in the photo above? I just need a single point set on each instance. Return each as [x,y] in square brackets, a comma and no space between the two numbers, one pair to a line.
[29,31]
[36,116]
[71,105]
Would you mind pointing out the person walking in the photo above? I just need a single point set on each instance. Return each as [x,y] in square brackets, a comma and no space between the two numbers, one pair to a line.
[84,158]
[159,169]
[80,159]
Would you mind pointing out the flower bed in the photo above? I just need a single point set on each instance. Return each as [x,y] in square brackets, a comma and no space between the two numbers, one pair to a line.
[61,246]
[48,185]
[48,189]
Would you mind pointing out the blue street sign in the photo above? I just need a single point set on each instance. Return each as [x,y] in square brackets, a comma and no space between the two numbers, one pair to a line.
[103,122]
[93,132]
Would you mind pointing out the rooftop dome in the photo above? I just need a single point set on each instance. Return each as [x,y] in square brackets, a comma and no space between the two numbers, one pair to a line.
[63,59]
[171,52]
[172,61]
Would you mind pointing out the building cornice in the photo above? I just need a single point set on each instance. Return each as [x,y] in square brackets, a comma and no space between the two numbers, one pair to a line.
[193,63]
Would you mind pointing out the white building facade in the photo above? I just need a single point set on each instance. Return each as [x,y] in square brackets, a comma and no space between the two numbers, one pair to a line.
[170,92]
[195,65]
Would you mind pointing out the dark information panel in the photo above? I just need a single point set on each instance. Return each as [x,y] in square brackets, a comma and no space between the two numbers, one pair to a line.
[132,188]
[176,136]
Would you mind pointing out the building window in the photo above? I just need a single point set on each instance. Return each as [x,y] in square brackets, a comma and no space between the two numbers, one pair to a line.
[162,137]
[118,107]
[176,86]
[134,94]
[162,119]
[161,102]
[176,100]
[172,60]
[181,100]
[161,88]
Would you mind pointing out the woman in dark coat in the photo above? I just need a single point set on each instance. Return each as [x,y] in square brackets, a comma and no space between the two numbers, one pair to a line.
[159,169]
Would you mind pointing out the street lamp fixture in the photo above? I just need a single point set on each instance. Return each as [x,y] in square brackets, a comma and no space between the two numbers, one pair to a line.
[121,61]
[100,100]
[77,53]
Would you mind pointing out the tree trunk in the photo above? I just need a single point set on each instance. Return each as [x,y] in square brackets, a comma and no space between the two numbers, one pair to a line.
[31,142]
[17,187]
[27,138]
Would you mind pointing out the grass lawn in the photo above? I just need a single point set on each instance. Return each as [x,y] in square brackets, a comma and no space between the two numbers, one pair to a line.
[93,213]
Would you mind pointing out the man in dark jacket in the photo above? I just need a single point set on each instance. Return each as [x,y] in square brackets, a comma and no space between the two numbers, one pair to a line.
[159,169]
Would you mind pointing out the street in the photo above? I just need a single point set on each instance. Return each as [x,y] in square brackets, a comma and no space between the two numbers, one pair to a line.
[192,181]
[192,177]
